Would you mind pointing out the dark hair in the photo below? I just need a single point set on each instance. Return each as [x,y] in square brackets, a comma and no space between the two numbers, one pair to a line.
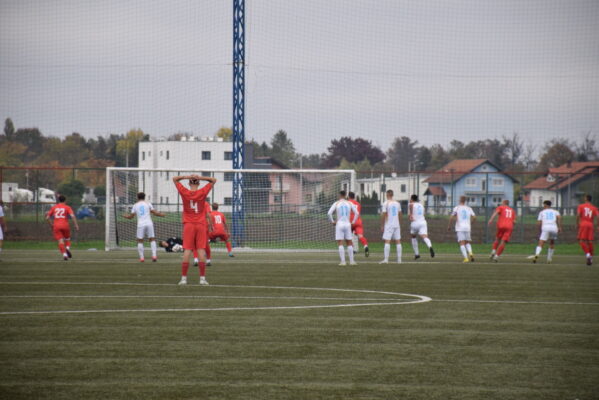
[61,198]
[215,206]
[463,199]
[588,197]
[194,182]
[141,196]
[351,195]
[342,193]
[389,192]
[414,197]
[547,203]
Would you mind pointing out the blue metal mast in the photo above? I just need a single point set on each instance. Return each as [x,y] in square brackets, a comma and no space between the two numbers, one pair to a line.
[238,118]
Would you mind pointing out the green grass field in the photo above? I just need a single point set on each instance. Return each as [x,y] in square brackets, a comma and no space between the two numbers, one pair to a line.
[276,326]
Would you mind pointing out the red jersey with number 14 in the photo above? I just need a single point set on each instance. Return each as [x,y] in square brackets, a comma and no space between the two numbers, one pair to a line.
[507,216]
[587,213]
[60,212]
[351,214]
[194,203]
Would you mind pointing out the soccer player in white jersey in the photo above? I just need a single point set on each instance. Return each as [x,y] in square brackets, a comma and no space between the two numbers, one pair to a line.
[343,233]
[418,226]
[550,222]
[145,227]
[2,225]
[463,217]
[390,226]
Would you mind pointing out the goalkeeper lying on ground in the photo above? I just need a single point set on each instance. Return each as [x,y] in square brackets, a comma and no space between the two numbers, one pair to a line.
[172,245]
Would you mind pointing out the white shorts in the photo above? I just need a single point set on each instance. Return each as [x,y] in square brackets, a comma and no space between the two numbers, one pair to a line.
[463,236]
[343,232]
[418,228]
[145,231]
[1,234]
[548,235]
[392,233]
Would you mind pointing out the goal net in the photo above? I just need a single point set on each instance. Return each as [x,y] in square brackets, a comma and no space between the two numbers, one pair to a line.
[276,209]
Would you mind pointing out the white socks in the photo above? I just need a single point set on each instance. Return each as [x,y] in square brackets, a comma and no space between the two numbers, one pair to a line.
[428,242]
[398,247]
[469,248]
[342,254]
[350,253]
[463,250]
[153,247]
[550,253]
[140,250]
[538,250]
[415,246]
[387,251]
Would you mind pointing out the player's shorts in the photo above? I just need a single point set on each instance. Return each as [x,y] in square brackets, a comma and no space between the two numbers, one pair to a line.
[61,233]
[463,236]
[218,235]
[419,228]
[145,231]
[343,232]
[195,236]
[548,235]
[586,232]
[504,233]
[1,234]
[358,229]
[392,233]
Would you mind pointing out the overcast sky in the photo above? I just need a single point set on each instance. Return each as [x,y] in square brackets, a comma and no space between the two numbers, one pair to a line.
[432,70]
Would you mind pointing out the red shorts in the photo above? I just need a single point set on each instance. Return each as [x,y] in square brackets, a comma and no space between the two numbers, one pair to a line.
[195,236]
[358,229]
[61,233]
[586,232]
[504,233]
[219,235]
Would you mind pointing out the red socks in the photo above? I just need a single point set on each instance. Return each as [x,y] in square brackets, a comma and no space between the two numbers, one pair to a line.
[229,248]
[495,244]
[184,268]
[68,243]
[61,248]
[500,249]
[208,252]
[363,241]
[202,268]
[584,247]
[195,254]
[591,247]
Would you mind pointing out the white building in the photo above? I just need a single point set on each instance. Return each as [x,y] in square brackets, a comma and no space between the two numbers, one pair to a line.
[403,186]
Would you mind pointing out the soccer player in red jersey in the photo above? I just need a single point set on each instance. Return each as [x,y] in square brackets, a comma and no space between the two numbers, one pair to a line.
[60,227]
[219,228]
[208,250]
[194,221]
[585,220]
[505,227]
[358,228]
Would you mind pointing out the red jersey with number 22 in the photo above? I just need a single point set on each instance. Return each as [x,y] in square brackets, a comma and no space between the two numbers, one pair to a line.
[507,216]
[60,212]
[194,203]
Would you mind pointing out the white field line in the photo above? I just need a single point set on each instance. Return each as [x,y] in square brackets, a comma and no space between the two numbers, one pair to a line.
[170,262]
[191,297]
[571,303]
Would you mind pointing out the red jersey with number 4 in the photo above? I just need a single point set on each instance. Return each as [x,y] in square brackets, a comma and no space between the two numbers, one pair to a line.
[351,214]
[587,213]
[507,216]
[194,203]
[60,212]
[218,221]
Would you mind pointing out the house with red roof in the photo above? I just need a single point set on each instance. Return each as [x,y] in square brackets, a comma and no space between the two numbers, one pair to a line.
[481,181]
[564,185]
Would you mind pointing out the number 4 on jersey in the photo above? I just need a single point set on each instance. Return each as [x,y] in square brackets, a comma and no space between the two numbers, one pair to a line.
[194,205]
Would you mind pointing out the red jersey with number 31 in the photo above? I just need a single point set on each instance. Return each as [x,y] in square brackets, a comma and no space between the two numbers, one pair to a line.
[60,212]
[587,213]
[194,203]
[507,216]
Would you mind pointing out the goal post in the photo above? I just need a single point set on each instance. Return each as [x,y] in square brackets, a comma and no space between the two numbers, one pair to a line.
[284,209]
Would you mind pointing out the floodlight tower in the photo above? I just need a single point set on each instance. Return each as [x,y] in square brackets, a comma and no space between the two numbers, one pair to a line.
[238,118]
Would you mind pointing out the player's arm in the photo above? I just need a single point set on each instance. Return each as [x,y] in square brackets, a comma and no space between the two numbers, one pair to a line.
[157,213]
[209,220]
[204,178]
[49,217]
[452,218]
[559,222]
[176,179]
[129,216]
[494,215]
[356,213]
[411,212]
[74,218]
[330,213]
[3,224]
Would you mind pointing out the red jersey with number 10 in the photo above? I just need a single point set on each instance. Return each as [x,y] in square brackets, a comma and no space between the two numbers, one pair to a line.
[587,213]
[351,214]
[60,212]
[507,216]
[218,221]
[194,203]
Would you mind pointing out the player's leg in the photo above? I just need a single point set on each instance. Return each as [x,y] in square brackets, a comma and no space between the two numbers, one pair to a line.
[1,239]
[348,236]
[398,247]
[386,250]
[208,251]
[225,238]
[469,246]
[141,233]
[67,242]
[462,242]
[539,247]
[415,245]
[341,249]
[58,235]
[550,250]
[188,250]
[201,238]
[340,239]
[360,233]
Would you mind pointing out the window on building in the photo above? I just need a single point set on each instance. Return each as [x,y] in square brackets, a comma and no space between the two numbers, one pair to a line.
[229,176]
[143,156]
[472,200]
[228,155]
[497,182]
[277,198]
[361,188]
[484,184]
[402,188]
[497,200]
[540,201]
[228,201]
[166,174]
[168,154]
[160,199]
[470,182]
[206,155]
[308,198]
[166,199]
